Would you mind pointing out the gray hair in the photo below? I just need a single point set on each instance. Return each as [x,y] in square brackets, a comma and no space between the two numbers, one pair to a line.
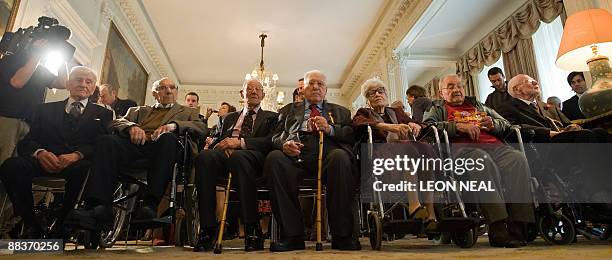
[308,73]
[156,83]
[442,82]
[246,83]
[514,83]
[554,100]
[371,83]
[84,69]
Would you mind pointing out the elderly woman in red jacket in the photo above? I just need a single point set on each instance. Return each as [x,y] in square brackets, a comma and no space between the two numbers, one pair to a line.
[393,125]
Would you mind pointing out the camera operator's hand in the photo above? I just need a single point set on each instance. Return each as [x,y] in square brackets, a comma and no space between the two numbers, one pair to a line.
[137,135]
[23,74]
[48,161]
[66,160]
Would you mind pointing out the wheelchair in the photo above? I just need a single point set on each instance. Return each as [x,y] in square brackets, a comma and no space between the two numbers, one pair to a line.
[182,210]
[456,223]
[559,223]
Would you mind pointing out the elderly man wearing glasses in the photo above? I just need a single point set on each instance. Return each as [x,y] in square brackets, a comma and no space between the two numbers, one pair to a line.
[146,132]
[478,132]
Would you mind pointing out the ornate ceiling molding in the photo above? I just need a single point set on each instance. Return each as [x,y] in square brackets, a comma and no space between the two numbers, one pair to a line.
[396,21]
[136,18]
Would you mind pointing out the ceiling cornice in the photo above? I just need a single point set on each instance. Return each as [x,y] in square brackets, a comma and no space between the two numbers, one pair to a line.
[398,17]
[136,16]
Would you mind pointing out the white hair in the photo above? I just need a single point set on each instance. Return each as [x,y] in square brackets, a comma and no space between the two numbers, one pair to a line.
[156,83]
[308,73]
[84,69]
[371,83]
[442,83]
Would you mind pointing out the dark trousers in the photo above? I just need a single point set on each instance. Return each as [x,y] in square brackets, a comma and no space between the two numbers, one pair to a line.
[212,165]
[17,174]
[284,176]
[113,151]
[508,170]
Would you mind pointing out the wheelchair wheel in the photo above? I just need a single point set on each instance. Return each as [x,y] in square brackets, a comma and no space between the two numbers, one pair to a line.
[606,232]
[465,239]
[109,237]
[192,219]
[443,238]
[557,229]
[376,232]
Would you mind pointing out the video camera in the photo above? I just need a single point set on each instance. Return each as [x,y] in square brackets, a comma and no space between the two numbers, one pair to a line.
[20,42]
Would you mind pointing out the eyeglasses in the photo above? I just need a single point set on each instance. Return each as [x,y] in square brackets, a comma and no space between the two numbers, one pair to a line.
[451,87]
[373,92]
[163,87]
[312,83]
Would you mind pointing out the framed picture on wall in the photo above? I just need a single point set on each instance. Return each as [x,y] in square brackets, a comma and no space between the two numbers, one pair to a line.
[122,68]
[8,13]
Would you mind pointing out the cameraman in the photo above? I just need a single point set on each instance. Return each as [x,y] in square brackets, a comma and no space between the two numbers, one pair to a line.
[23,84]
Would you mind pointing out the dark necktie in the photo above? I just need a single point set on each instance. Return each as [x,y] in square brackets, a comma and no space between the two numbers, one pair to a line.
[535,107]
[314,111]
[75,109]
[247,125]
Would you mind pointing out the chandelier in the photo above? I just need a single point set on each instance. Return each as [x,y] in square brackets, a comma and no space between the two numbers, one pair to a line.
[267,79]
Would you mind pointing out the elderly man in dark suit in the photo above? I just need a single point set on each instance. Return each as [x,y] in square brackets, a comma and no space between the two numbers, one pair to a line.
[60,143]
[146,132]
[570,106]
[244,142]
[297,138]
[549,125]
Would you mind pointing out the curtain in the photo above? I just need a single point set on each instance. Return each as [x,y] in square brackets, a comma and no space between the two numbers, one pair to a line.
[521,60]
[517,28]
[546,44]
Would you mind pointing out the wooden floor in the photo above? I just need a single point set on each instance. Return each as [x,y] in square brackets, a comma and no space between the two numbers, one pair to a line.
[410,248]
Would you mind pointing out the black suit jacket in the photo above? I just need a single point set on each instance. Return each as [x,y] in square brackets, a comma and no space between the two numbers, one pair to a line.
[571,109]
[263,128]
[290,121]
[518,112]
[121,106]
[48,130]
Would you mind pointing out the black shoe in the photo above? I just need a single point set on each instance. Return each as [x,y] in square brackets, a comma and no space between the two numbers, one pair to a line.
[145,213]
[205,241]
[499,236]
[253,239]
[285,245]
[90,218]
[33,232]
[346,244]
[517,231]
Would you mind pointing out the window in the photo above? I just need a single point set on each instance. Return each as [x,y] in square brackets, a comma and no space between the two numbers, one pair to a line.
[484,85]
[546,43]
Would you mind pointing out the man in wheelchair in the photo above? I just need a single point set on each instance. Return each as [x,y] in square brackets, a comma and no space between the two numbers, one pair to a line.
[60,143]
[469,122]
[146,132]
[565,147]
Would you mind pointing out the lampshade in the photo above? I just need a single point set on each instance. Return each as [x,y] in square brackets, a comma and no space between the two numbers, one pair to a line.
[582,30]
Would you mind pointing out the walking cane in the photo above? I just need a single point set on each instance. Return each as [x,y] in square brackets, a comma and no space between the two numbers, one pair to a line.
[218,245]
[319,245]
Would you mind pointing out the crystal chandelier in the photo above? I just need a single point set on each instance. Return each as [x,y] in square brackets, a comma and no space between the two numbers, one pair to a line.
[266,78]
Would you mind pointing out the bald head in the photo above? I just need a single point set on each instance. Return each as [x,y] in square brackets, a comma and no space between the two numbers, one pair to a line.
[524,87]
